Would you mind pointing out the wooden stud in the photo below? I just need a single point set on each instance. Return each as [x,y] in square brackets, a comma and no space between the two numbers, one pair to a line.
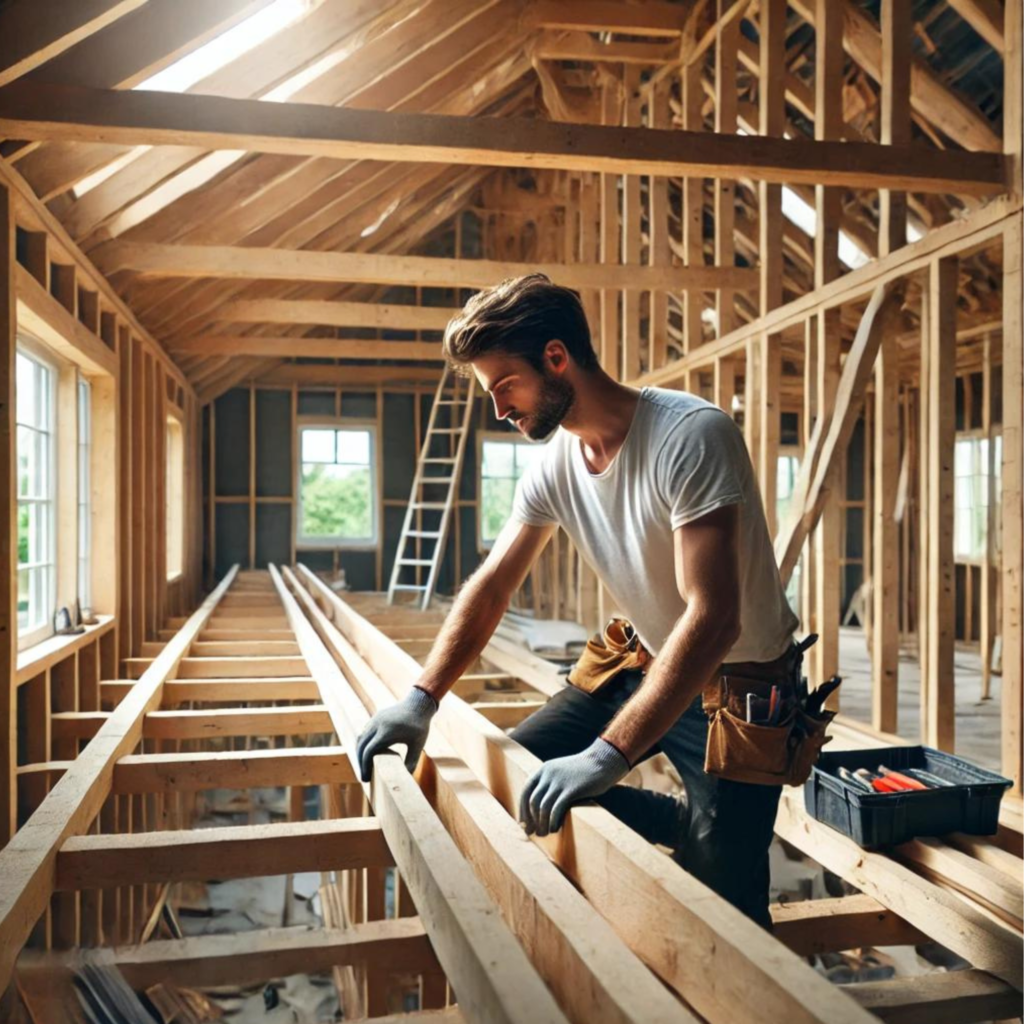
[897,59]
[727,36]
[771,120]
[828,125]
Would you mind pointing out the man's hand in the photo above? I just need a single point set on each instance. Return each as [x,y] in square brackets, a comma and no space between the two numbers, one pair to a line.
[564,781]
[406,722]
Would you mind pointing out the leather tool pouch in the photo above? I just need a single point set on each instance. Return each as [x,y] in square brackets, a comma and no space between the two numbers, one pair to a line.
[770,755]
[616,649]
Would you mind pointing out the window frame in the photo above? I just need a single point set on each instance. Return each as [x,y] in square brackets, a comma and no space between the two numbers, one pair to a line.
[978,434]
[353,425]
[500,437]
[174,512]
[83,509]
[30,349]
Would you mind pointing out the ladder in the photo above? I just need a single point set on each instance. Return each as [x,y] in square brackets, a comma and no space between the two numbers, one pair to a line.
[434,489]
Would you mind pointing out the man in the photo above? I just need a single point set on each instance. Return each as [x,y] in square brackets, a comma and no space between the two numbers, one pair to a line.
[657,492]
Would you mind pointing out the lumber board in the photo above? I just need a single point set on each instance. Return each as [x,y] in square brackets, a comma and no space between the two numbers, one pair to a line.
[482,960]
[232,769]
[28,862]
[592,974]
[380,315]
[126,117]
[651,18]
[321,348]
[32,34]
[984,943]
[235,851]
[684,932]
[254,956]
[235,262]
[811,927]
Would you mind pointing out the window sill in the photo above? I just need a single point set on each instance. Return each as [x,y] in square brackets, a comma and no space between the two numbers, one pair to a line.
[39,657]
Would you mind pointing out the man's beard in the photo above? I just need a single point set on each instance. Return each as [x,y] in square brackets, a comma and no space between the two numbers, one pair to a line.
[556,398]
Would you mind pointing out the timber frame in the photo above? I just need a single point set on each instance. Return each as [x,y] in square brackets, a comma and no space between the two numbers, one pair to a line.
[249,268]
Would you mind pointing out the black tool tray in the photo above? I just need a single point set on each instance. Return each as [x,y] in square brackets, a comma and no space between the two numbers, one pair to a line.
[874,820]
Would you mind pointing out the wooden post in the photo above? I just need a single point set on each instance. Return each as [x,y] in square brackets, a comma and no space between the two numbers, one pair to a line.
[8,524]
[692,93]
[808,414]
[987,597]
[923,539]
[942,296]
[897,59]
[725,383]
[828,126]
[631,232]
[772,120]
[727,38]
[609,186]
[659,252]
[885,621]
[771,384]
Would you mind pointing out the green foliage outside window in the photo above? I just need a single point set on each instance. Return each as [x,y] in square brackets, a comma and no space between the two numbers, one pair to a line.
[336,502]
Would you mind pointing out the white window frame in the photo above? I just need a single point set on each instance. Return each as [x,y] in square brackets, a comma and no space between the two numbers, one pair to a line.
[339,543]
[84,511]
[174,492]
[42,629]
[495,437]
[976,436]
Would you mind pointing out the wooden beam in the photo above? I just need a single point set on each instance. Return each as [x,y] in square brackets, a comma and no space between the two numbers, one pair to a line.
[336,314]
[941,915]
[940,712]
[156,260]
[897,56]
[581,46]
[232,769]
[726,107]
[771,123]
[828,126]
[239,851]
[32,34]
[8,521]
[254,956]
[310,376]
[130,117]
[986,18]
[481,958]
[28,862]
[324,348]
[812,927]
[650,18]
[629,882]
[832,430]
[956,997]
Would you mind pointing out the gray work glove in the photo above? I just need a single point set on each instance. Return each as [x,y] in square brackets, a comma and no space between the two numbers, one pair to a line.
[406,722]
[564,781]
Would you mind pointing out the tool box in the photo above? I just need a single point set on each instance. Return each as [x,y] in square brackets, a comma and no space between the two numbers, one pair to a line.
[970,804]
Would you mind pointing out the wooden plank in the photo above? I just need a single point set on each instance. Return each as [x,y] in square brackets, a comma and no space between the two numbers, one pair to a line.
[129,117]
[250,957]
[233,851]
[579,45]
[692,210]
[591,973]
[42,315]
[885,575]
[940,914]
[232,769]
[610,238]
[8,522]
[651,903]
[28,861]
[191,725]
[32,34]
[812,927]
[482,960]
[897,57]
[956,997]
[941,606]
[726,106]
[336,314]
[828,125]
[291,347]
[177,691]
[156,260]
[651,18]
[771,123]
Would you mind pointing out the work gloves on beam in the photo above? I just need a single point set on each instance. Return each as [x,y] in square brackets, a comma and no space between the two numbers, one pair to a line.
[548,793]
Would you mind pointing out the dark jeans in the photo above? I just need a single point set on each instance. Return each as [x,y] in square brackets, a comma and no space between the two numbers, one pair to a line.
[720,831]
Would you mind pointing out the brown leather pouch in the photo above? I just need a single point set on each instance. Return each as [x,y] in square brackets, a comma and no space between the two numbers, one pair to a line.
[617,648]
[769,755]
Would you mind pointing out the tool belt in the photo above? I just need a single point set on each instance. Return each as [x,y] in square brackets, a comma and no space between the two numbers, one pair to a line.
[780,753]
[607,654]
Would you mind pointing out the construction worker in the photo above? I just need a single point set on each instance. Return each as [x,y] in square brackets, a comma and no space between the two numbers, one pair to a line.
[656,490]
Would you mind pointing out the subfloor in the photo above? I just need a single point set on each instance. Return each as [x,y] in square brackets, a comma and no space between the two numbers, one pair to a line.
[977,720]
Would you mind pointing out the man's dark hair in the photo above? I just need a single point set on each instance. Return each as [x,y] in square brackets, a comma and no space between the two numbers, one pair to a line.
[519,317]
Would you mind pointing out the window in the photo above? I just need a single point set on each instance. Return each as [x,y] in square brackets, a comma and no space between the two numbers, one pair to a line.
[502,463]
[37,492]
[970,512]
[337,486]
[174,459]
[84,496]
[785,484]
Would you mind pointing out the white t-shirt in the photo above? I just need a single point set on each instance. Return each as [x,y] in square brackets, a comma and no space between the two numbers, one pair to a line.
[682,458]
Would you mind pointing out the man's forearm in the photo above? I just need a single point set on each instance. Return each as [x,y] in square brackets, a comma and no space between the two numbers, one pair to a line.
[696,647]
[465,633]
